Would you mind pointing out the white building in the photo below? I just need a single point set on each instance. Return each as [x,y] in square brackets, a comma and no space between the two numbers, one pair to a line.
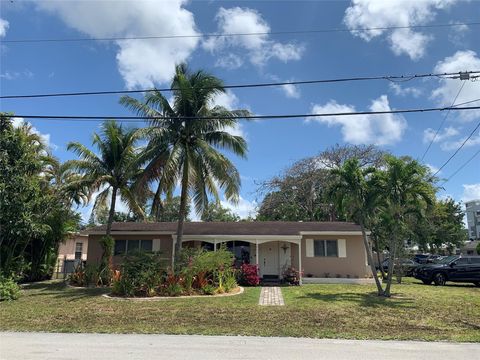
[473,219]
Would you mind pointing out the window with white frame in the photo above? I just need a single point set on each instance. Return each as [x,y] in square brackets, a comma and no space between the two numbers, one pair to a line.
[78,250]
[327,248]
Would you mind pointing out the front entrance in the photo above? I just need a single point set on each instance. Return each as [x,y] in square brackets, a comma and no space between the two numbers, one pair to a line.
[269,259]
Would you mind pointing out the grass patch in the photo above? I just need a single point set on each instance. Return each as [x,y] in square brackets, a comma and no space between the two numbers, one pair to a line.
[415,312]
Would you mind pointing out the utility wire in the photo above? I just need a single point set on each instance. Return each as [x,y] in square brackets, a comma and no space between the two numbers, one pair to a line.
[459,148]
[461,167]
[248,117]
[219,35]
[443,121]
[394,78]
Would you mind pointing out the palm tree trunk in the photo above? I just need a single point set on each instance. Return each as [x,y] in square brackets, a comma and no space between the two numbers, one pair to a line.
[111,213]
[182,213]
[368,250]
[391,263]
[377,246]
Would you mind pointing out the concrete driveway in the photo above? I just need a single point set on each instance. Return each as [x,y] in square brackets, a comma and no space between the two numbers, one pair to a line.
[34,346]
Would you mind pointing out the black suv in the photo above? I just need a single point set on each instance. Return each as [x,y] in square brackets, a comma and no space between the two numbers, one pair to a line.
[454,268]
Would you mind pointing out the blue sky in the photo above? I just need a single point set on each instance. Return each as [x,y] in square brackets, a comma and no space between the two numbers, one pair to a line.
[273,144]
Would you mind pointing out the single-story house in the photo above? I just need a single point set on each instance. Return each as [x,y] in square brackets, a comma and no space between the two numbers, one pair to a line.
[319,249]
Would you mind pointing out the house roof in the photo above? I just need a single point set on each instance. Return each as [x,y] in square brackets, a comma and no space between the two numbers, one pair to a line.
[233,228]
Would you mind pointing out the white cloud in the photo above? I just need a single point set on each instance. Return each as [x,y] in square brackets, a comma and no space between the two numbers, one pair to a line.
[244,208]
[142,63]
[471,192]
[433,169]
[18,121]
[291,91]
[460,61]
[3,27]
[229,61]
[394,13]
[429,134]
[364,129]
[405,91]
[260,48]
[453,145]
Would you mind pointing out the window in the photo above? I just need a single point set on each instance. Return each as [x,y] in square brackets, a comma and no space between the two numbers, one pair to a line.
[325,248]
[128,246]
[462,261]
[78,250]
[120,247]
[475,260]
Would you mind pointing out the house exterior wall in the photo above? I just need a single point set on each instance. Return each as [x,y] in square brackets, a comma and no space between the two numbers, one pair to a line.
[66,250]
[354,264]
[162,243]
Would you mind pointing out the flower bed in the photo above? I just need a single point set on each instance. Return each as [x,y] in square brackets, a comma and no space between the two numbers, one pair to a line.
[237,291]
[145,275]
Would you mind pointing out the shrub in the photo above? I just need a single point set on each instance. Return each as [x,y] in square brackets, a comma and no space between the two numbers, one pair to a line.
[208,289]
[292,276]
[140,275]
[78,277]
[249,275]
[9,289]
[230,279]
[105,270]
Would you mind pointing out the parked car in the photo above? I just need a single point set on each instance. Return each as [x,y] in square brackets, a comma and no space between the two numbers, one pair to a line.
[407,265]
[421,258]
[455,268]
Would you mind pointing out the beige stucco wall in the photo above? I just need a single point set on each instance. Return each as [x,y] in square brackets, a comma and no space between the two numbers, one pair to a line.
[66,250]
[162,243]
[354,264]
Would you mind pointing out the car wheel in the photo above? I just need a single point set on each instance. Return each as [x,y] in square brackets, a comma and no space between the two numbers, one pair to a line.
[439,279]
[477,283]
[427,282]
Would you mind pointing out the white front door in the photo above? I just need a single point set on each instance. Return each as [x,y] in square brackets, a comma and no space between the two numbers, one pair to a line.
[268,259]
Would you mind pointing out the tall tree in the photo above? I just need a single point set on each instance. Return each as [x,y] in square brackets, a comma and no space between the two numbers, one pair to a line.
[110,173]
[356,196]
[185,149]
[34,217]
[406,190]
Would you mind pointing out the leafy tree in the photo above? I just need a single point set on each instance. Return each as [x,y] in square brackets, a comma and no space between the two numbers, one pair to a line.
[171,209]
[478,249]
[185,149]
[216,212]
[35,214]
[111,172]
[356,196]
[300,192]
[405,189]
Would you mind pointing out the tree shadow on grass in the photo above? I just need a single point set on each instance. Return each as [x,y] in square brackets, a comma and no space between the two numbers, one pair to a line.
[371,300]
[62,291]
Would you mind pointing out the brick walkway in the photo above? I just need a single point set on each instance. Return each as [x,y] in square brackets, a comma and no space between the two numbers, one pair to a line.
[271,295]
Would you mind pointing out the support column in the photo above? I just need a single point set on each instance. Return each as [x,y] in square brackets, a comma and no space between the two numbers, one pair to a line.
[215,245]
[300,260]
[256,253]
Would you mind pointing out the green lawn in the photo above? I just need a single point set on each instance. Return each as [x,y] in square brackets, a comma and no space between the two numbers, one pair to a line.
[333,311]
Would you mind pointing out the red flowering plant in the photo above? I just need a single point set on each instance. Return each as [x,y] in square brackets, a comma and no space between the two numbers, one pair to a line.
[248,275]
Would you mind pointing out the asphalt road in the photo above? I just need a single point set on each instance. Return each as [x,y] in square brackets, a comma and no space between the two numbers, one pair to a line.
[32,346]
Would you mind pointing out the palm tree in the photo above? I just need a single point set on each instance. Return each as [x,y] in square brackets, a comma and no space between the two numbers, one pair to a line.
[111,172]
[355,196]
[183,148]
[407,189]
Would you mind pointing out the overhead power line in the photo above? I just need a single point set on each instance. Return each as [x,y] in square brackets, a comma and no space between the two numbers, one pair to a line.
[394,78]
[219,35]
[459,148]
[461,167]
[248,117]
[443,121]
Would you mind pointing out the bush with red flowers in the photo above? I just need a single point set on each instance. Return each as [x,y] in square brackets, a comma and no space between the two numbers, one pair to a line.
[249,275]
